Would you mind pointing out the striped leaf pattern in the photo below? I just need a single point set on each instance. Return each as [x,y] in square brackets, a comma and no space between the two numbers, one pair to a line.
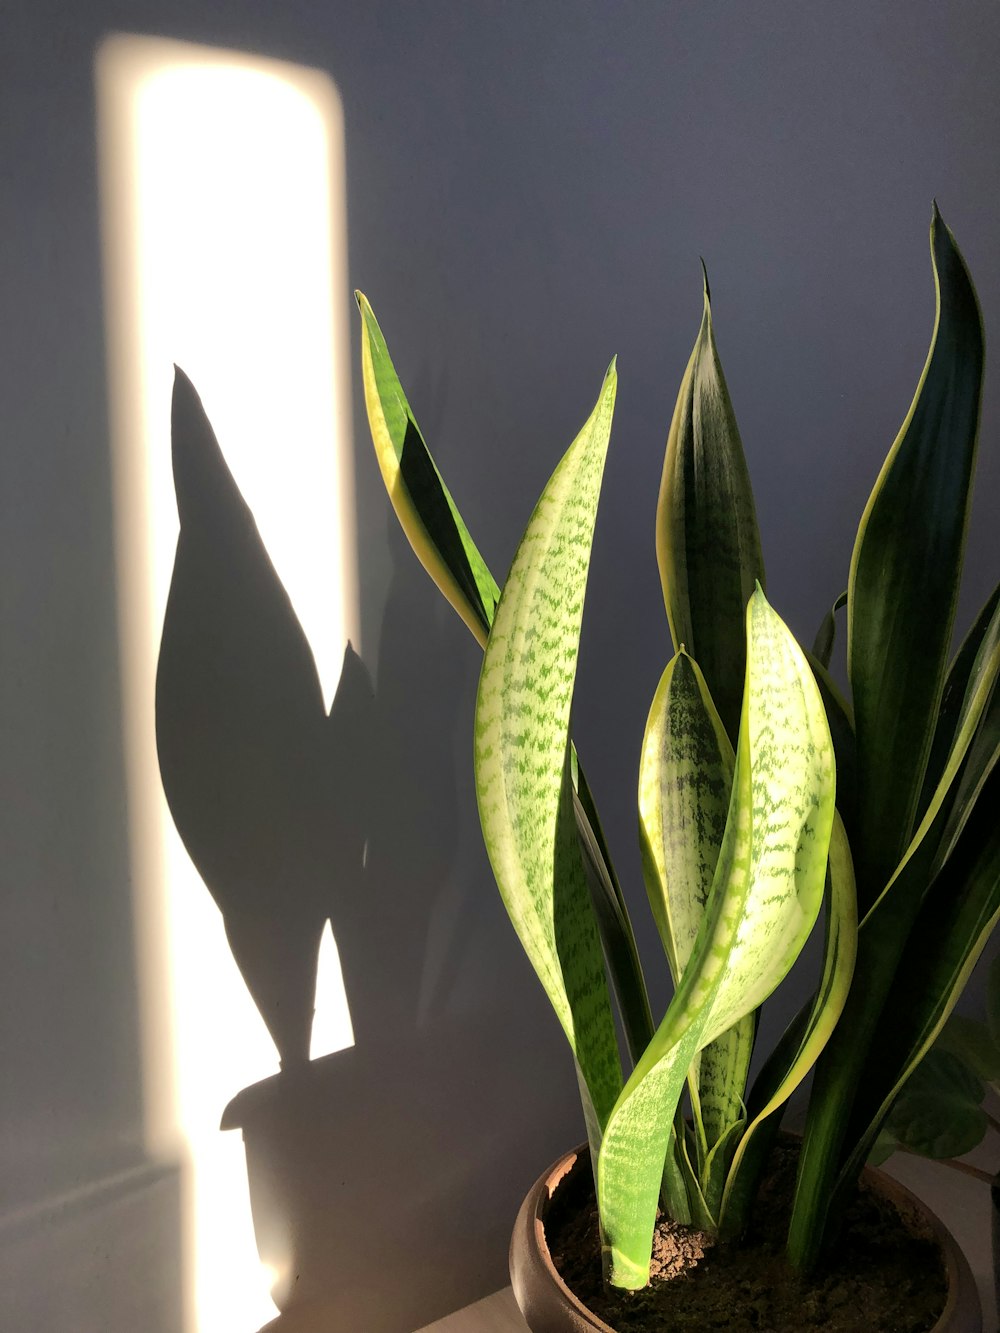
[685,781]
[766,894]
[442,543]
[522,757]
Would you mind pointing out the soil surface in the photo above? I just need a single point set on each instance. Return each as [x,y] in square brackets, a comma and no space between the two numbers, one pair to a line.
[880,1278]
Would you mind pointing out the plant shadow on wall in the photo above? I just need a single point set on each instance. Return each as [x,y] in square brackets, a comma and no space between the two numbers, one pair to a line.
[276,803]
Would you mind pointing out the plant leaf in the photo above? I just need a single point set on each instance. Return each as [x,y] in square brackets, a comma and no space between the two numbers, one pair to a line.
[707,542]
[984,747]
[423,503]
[925,958]
[827,632]
[954,695]
[685,780]
[905,572]
[765,897]
[522,757]
[779,1079]
[614,925]
[938,1110]
[444,547]
[972,1044]
[845,748]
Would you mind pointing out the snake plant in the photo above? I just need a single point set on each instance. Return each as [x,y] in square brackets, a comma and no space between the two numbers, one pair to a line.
[766,798]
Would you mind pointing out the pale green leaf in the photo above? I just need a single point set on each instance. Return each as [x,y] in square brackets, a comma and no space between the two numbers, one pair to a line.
[685,780]
[442,543]
[522,756]
[778,1081]
[764,900]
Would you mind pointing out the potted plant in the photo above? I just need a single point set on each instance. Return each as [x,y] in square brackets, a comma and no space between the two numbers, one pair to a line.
[763,792]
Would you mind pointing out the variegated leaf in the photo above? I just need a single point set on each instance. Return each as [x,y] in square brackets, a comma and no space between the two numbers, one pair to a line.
[522,757]
[685,781]
[764,900]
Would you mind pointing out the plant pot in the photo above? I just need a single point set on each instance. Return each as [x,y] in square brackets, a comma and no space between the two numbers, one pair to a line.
[548,1305]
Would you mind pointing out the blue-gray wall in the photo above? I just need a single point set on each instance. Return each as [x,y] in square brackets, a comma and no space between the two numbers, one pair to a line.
[529,188]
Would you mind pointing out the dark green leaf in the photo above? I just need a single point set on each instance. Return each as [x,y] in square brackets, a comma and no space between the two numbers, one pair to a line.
[905,573]
[955,687]
[970,1042]
[937,1112]
[707,543]
[827,632]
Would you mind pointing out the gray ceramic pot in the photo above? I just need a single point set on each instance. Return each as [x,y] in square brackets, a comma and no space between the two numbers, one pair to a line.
[548,1305]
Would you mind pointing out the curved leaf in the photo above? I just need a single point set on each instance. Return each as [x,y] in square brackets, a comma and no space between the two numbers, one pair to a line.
[442,543]
[707,542]
[522,757]
[919,946]
[827,632]
[845,747]
[765,897]
[685,780]
[953,696]
[972,1043]
[905,572]
[423,503]
[777,1082]
[955,921]
[938,1112]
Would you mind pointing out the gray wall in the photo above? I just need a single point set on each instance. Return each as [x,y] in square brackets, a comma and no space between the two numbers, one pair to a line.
[529,189]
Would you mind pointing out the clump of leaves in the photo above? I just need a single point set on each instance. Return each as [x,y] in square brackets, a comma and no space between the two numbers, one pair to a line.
[762,791]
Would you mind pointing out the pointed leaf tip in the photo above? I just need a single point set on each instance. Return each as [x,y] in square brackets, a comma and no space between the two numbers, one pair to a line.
[704,279]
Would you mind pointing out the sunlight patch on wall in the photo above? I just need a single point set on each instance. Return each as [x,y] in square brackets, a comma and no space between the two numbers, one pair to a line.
[224,222]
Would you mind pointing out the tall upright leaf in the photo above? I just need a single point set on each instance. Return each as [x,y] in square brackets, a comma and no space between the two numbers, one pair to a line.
[707,542]
[522,758]
[905,572]
[765,896]
[442,543]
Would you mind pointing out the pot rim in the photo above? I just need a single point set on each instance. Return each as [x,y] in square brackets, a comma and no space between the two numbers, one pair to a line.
[529,1229]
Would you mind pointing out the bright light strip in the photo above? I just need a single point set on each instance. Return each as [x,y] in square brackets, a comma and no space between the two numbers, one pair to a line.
[225,247]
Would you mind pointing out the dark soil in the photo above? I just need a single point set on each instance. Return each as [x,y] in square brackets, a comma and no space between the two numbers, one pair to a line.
[880,1278]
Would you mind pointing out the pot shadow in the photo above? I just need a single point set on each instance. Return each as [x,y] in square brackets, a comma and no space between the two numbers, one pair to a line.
[295,817]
